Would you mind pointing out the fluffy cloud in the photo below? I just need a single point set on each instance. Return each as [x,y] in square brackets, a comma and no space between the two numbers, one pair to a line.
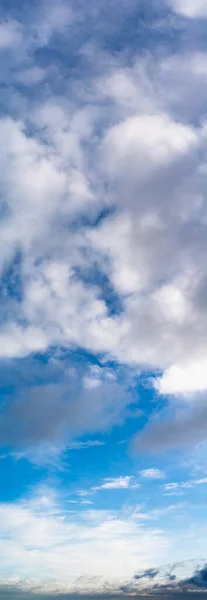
[183,380]
[103,220]
[154,168]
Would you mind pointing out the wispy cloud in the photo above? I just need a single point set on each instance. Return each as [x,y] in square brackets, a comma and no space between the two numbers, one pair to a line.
[117,483]
[39,534]
[88,444]
[184,484]
[152,474]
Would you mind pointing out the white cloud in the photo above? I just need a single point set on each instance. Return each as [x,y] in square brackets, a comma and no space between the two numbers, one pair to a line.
[183,380]
[116,483]
[96,375]
[174,486]
[39,536]
[149,141]
[59,307]
[52,548]
[191,8]
[152,474]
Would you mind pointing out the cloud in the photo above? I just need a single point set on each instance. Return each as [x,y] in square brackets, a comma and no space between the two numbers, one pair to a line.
[52,455]
[117,483]
[43,21]
[10,592]
[61,304]
[185,484]
[102,256]
[87,444]
[103,176]
[190,8]
[96,375]
[10,34]
[54,414]
[199,579]
[149,574]
[185,429]
[167,582]
[145,154]
[152,474]
[31,76]
[183,380]
[39,535]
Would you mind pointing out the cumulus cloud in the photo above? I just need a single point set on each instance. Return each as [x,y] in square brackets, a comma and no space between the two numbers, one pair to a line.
[103,183]
[183,380]
[147,249]
[143,155]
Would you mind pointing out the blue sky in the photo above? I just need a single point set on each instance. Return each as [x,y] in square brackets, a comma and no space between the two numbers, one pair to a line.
[103,288]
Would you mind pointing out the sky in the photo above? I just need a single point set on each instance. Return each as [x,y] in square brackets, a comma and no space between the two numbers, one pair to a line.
[103,296]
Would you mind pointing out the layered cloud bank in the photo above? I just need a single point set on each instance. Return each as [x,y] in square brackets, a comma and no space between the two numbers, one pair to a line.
[92,552]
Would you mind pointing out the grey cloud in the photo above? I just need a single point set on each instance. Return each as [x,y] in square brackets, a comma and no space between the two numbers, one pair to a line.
[161,243]
[168,585]
[199,579]
[15,595]
[12,593]
[149,574]
[186,429]
[48,413]
[132,139]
